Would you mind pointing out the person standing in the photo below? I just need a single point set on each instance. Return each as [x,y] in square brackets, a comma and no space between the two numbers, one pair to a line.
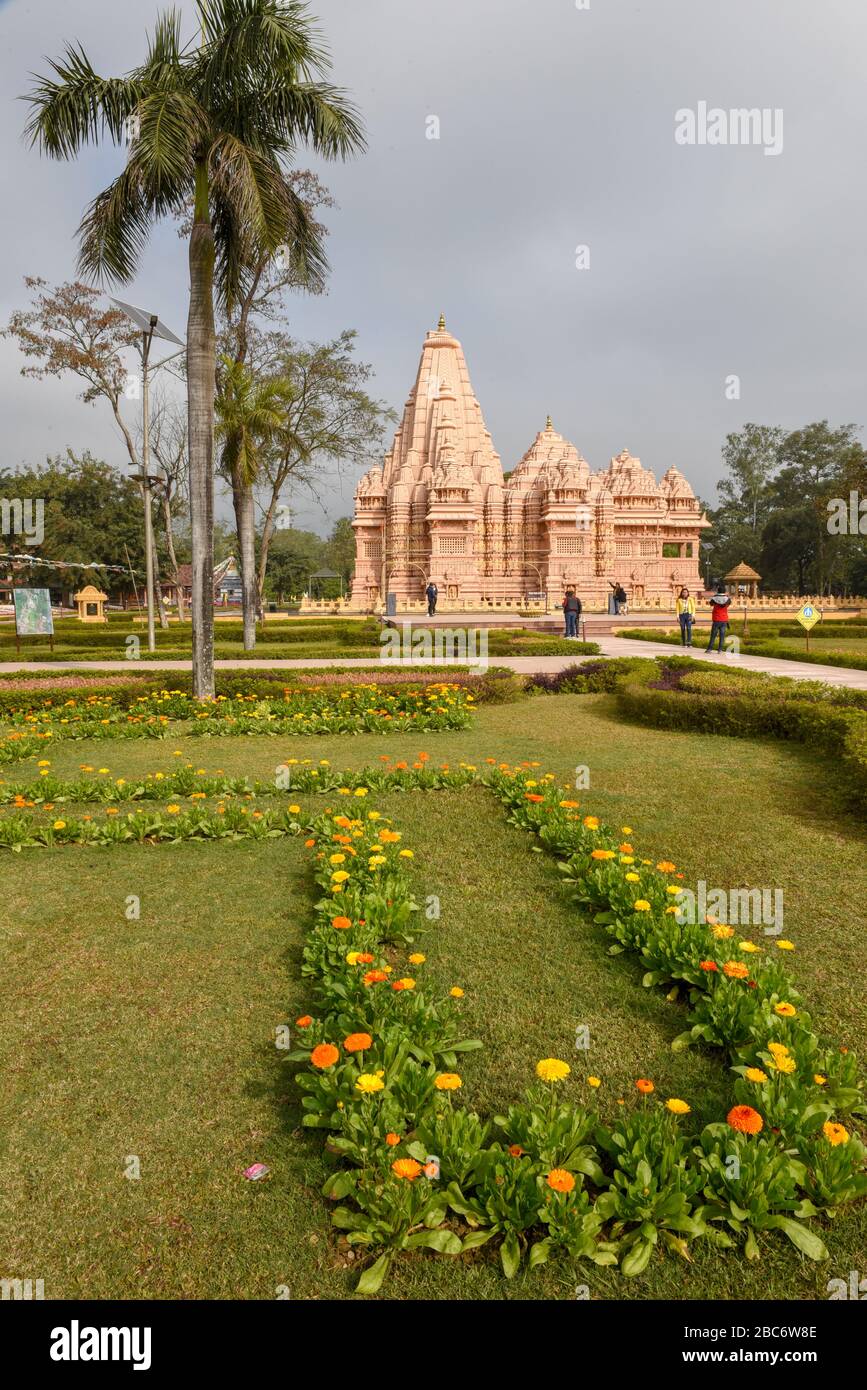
[685,609]
[719,616]
[615,585]
[571,611]
[432,595]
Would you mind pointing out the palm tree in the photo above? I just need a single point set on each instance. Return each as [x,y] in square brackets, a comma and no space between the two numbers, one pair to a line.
[250,412]
[210,126]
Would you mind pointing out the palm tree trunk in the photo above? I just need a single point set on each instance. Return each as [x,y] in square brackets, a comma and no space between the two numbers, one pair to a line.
[247,545]
[201,388]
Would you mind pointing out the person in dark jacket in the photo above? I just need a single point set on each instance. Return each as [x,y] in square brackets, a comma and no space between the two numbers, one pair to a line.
[571,611]
[719,617]
[432,595]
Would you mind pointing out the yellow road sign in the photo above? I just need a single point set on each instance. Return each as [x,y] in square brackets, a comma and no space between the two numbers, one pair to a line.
[808,616]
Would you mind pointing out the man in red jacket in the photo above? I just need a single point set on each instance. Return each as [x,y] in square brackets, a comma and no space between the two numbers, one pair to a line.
[719,616]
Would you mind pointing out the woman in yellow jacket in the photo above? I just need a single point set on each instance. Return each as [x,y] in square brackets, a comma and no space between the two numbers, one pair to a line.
[685,609]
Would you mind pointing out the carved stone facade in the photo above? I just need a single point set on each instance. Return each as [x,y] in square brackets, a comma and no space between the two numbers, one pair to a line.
[441,509]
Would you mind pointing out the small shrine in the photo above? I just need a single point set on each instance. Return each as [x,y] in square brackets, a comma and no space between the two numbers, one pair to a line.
[91,605]
[742,580]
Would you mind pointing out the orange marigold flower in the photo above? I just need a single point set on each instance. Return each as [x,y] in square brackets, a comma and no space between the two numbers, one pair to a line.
[392,1140]
[358,1042]
[709,965]
[559,1180]
[324,1056]
[515,1150]
[374,977]
[304,1021]
[365,958]
[406,1168]
[745,1119]
[533,796]
[735,969]
[341,923]
[644,1086]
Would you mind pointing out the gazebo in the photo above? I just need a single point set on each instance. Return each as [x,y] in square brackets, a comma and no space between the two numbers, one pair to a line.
[742,579]
[91,604]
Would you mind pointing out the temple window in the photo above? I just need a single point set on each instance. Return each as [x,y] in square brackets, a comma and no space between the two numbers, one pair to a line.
[671,550]
[648,548]
[453,545]
[622,548]
[373,550]
[570,545]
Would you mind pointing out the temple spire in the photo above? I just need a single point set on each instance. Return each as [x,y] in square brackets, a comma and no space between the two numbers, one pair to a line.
[442,323]
[549,424]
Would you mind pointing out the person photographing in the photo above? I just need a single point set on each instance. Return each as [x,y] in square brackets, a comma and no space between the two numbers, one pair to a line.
[719,616]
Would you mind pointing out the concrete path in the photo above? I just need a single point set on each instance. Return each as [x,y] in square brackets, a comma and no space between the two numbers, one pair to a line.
[609,646]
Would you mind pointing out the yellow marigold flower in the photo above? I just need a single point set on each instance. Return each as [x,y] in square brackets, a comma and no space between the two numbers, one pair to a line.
[456,992]
[626,829]
[340,876]
[374,815]
[672,888]
[594,1081]
[352,957]
[417,958]
[60,825]
[778,1048]
[173,810]
[552,1069]
[591,822]
[748,946]
[671,911]
[641,905]
[834,1133]
[43,762]
[376,861]
[448,1081]
[632,878]
[406,854]
[785,1010]
[820,1080]
[627,858]
[677,1107]
[293,810]
[337,859]
[368,1083]
[722,932]
[784,945]
[755,1074]
[784,1064]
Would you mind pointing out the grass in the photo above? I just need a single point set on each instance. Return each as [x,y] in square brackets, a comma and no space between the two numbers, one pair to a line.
[155,1037]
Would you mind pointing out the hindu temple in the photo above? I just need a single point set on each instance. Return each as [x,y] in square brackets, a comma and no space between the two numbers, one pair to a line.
[441,508]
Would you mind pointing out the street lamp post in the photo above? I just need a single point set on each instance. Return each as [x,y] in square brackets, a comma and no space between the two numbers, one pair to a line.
[151,328]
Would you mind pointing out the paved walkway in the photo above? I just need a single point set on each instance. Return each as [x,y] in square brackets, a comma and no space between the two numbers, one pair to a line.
[609,646]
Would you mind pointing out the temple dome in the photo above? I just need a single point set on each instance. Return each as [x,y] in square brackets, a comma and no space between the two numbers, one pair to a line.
[674,484]
[549,453]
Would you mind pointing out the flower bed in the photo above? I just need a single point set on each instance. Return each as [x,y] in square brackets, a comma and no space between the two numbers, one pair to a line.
[416,1169]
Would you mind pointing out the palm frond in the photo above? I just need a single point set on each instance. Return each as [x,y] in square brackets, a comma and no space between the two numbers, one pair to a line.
[114,229]
[172,129]
[77,106]
[314,113]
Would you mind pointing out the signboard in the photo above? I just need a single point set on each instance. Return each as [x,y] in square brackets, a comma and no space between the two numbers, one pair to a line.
[33,616]
[808,616]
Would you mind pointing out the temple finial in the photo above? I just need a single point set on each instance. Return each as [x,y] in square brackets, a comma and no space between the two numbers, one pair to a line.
[442,323]
[549,424]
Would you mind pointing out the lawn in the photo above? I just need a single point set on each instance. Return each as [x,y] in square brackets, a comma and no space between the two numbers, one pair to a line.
[155,1037]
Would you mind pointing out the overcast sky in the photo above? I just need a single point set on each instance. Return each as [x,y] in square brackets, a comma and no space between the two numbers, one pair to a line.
[557,130]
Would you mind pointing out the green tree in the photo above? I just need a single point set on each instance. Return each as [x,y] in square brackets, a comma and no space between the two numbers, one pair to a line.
[210,126]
